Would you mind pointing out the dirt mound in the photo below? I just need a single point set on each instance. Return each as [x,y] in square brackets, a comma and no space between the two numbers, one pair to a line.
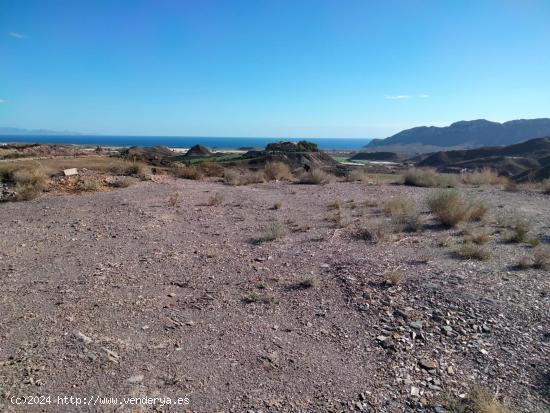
[150,154]
[198,150]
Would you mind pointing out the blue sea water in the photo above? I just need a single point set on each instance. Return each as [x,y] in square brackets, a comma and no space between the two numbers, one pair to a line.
[180,142]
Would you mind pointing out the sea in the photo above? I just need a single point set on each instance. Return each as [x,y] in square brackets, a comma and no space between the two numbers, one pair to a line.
[181,141]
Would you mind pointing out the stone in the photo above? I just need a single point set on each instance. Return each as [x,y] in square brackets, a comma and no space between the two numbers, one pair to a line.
[70,172]
[416,324]
[82,337]
[138,378]
[415,391]
[428,364]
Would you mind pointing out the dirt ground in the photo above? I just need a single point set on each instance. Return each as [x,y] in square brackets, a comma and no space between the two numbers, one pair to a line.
[119,293]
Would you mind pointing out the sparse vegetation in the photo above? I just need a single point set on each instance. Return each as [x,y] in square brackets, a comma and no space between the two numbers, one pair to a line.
[174,199]
[306,283]
[469,250]
[359,174]
[485,176]
[541,258]
[546,186]
[277,205]
[426,177]
[233,177]
[215,199]
[395,277]
[29,182]
[374,230]
[479,237]
[335,204]
[187,172]
[315,176]
[404,214]
[126,168]
[277,171]
[451,208]
[89,185]
[520,227]
[511,186]
[272,231]
[122,182]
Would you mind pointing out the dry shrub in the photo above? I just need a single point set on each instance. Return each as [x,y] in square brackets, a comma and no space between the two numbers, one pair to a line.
[215,199]
[277,171]
[524,262]
[452,208]
[359,174]
[395,277]
[541,258]
[187,172]
[485,176]
[315,176]
[483,401]
[272,231]
[174,199]
[122,182]
[340,219]
[546,186]
[404,214]
[277,205]
[29,183]
[469,250]
[520,227]
[335,204]
[233,177]
[6,171]
[478,237]
[429,178]
[126,168]
[511,186]
[210,168]
[89,185]
[306,283]
[374,230]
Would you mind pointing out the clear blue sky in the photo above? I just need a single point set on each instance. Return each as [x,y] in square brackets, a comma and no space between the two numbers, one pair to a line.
[318,68]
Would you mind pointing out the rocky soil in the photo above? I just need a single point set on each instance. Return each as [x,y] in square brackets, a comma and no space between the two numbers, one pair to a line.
[143,292]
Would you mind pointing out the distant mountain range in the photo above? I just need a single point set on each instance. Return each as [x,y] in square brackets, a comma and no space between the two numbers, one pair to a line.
[462,135]
[34,132]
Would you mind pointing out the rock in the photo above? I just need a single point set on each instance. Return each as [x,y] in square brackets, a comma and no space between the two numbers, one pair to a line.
[415,391]
[450,370]
[82,337]
[428,364]
[138,378]
[70,172]
[416,324]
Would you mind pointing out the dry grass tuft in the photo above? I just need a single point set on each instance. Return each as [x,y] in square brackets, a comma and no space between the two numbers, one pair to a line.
[404,214]
[257,298]
[525,262]
[511,186]
[272,231]
[395,277]
[306,283]
[546,186]
[126,168]
[374,230]
[541,258]
[89,185]
[277,205]
[429,178]
[187,172]
[335,205]
[29,182]
[215,199]
[485,176]
[484,401]
[174,199]
[315,177]
[469,250]
[122,182]
[277,171]
[479,237]
[234,178]
[451,208]
[359,174]
[520,227]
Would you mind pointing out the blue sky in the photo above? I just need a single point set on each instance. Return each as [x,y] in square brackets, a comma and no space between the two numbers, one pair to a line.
[311,68]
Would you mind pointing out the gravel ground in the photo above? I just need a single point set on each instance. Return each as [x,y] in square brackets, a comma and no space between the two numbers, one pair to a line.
[119,293]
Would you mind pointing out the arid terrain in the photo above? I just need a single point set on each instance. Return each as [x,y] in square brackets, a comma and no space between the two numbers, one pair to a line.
[272,297]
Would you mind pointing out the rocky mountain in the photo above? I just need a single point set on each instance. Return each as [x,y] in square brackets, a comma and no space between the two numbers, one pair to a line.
[523,161]
[463,135]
